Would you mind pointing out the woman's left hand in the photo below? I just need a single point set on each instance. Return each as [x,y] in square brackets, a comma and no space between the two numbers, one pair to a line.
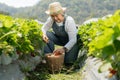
[59,51]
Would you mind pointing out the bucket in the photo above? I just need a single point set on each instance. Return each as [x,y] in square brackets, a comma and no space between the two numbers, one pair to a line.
[54,62]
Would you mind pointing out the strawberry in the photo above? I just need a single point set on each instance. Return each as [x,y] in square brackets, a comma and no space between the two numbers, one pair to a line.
[57,53]
[112,71]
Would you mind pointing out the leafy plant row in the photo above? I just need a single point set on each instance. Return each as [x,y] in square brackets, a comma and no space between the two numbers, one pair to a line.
[102,38]
[19,35]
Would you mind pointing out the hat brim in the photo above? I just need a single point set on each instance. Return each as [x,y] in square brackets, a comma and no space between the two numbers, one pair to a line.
[48,11]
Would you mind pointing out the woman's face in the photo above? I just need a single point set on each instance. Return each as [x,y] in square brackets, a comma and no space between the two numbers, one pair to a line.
[58,17]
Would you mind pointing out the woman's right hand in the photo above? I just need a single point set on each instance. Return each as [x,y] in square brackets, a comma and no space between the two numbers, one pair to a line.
[45,38]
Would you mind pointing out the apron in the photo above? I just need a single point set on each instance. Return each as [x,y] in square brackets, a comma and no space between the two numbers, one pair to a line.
[60,33]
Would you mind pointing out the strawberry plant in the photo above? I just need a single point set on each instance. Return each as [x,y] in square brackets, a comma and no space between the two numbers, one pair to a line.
[20,35]
[102,38]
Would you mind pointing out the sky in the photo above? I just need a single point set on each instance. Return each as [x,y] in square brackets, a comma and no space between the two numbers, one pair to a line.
[19,3]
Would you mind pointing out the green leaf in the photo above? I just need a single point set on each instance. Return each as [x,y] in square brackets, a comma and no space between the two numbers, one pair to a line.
[8,24]
[117,45]
[107,52]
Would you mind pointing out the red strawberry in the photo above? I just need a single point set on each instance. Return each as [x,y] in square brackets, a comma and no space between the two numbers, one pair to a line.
[112,71]
[57,53]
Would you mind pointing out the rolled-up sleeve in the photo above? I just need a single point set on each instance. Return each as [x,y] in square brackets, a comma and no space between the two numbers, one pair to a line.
[71,29]
[47,25]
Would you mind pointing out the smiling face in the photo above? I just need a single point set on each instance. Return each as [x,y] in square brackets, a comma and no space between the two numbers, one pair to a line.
[57,17]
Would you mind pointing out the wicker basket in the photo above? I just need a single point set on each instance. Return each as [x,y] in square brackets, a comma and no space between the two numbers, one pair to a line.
[54,62]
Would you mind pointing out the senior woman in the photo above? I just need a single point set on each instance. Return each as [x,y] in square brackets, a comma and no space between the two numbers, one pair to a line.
[64,33]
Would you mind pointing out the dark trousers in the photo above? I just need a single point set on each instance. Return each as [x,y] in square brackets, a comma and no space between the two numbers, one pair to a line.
[70,56]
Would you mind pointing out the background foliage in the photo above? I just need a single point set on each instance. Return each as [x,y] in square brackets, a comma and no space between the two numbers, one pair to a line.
[80,10]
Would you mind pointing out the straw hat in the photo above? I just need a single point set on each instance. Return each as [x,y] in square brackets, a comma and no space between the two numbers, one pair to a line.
[55,8]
